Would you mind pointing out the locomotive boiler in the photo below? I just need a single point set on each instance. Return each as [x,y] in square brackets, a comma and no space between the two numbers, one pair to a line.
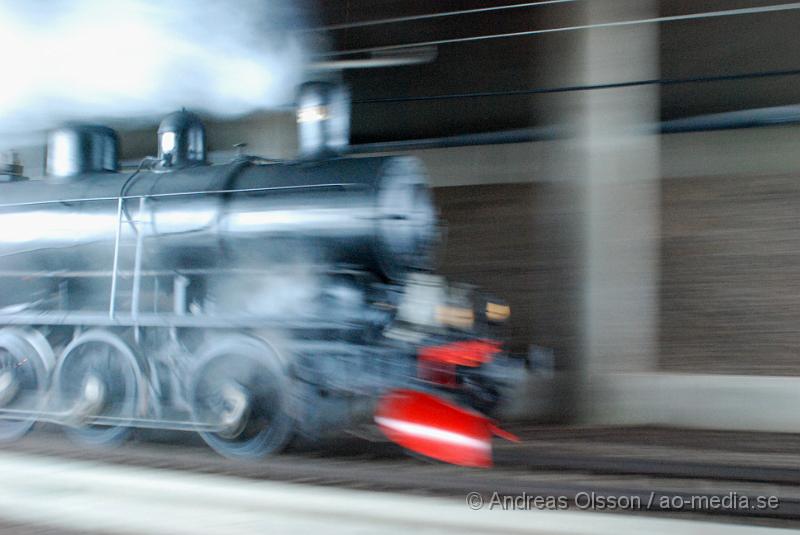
[252,301]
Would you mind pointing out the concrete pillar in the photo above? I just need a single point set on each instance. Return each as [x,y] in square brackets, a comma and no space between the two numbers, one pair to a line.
[620,195]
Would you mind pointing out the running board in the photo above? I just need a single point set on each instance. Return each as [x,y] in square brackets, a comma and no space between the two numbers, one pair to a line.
[64,418]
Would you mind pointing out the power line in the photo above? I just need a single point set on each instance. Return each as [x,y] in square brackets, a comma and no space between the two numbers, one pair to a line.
[565,89]
[410,18]
[670,18]
[753,118]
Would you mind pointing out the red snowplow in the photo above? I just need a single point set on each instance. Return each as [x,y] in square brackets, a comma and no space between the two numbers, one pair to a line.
[431,426]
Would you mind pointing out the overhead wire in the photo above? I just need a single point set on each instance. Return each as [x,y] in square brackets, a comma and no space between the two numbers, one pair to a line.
[412,18]
[588,87]
[613,24]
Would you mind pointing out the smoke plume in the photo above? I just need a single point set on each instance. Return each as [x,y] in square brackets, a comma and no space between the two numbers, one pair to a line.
[114,60]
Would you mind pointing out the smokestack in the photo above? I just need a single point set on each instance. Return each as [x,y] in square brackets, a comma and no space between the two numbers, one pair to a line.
[181,140]
[76,149]
[323,119]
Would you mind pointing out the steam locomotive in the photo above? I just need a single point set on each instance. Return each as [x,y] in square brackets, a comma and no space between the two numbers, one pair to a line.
[252,301]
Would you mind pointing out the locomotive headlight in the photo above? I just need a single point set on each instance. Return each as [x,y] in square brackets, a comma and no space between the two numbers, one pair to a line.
[497,312]
[457,317]
[167,142]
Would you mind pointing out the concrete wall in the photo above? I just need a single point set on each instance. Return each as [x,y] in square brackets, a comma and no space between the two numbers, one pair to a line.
[728,345]
[753,151]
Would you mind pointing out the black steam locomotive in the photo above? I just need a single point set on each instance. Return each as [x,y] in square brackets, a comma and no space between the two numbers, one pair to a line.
[251,301]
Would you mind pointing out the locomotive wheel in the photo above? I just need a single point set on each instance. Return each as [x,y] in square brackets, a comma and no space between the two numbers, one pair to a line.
[241,386]
[26,359]
[99,376]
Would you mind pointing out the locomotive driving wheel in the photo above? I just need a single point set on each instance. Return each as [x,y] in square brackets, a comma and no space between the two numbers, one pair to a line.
[26,359]
[100,384]
[240,389]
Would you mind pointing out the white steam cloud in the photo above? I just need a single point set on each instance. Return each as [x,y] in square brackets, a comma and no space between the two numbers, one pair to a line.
[110,60]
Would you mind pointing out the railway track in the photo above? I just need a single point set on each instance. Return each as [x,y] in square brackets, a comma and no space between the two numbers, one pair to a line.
[701,466]
[586,470]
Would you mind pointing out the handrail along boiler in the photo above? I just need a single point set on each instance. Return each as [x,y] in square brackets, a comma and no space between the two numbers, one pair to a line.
[252,301]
